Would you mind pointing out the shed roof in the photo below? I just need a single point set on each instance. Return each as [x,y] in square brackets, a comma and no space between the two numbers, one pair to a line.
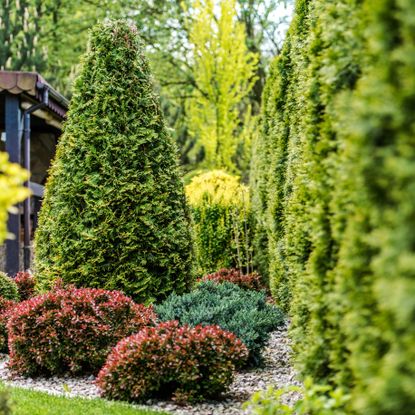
[32,84]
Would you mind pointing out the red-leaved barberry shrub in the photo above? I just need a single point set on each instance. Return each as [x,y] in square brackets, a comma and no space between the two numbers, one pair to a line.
[60,284]
[26,283]
[71,330]
[251,281]
[6,307]
[188,364]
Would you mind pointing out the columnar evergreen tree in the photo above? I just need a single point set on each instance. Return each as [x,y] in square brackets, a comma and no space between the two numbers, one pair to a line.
[375,275]
[259,170]
[339,197]
[277,155]
[332,55]
[114,214]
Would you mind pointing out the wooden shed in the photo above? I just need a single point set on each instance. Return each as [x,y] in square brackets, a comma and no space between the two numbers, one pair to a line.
[31,116]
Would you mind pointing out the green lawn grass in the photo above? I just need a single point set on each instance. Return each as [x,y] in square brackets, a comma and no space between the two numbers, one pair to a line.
[28,402]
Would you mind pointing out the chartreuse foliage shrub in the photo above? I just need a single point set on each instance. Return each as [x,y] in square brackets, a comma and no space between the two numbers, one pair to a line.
[222,221]
[114,214]
[71,330]
[337,202]
[8,288]
[12,177]
[188,363]
[235,276]
[240,311]
[312,400]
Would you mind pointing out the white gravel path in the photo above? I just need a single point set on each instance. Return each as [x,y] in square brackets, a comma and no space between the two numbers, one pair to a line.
[277,371]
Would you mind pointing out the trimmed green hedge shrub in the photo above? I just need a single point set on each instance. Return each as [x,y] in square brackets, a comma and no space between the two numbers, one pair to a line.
[240,311]
[71,330]
[188,363]
[222,221]
[338,198]
[114,214]
[8,288]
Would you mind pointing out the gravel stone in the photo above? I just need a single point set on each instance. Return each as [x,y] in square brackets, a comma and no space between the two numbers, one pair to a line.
[276,371]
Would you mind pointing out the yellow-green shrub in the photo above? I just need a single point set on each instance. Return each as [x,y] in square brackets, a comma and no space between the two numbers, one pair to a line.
[222,221]
[12,177]
[311,399]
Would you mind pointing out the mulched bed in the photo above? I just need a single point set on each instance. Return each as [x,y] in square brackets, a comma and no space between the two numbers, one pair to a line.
[276,371]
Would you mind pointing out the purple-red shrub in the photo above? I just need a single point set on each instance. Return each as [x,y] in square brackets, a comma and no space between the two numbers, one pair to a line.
[188,364]
[71,330]
[6,306]
[25,282]
[59,284]
[251,281]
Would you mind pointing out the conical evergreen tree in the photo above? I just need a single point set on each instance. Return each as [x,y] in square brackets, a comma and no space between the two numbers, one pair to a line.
[114,214]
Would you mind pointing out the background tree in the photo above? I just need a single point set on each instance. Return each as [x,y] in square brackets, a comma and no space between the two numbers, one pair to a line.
[21,30]
[49,37]
[265,23]
[114,215]
[224,71]
[163,25]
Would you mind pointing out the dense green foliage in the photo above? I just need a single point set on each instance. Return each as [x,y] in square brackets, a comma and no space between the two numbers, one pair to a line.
[261,148]
[222,221]
[336,206]
[240,311]
[49,36]
[20,30]
[114,215]
[8,288]
[313,400]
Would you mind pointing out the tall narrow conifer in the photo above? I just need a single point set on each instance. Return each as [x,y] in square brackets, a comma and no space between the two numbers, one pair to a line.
[338,198]
[114,214]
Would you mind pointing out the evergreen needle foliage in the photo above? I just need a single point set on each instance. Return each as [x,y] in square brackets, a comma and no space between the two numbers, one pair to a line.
[333,189]
[8,288]
[243,312]
[114,214]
